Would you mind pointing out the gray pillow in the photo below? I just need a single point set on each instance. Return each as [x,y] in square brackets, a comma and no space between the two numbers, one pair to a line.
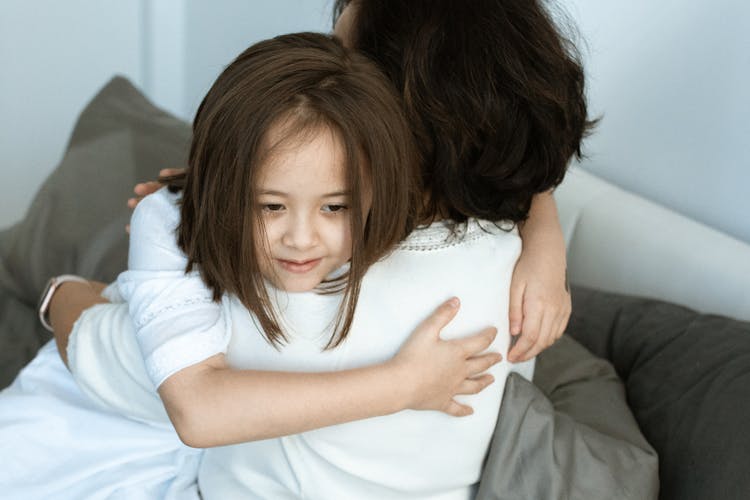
[569,435]
[687,377]
[76,221]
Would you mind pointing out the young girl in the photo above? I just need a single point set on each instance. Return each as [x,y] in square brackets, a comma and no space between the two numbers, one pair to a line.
[297,183]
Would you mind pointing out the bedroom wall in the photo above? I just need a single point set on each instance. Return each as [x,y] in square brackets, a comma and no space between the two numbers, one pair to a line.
[55,55]
[667,77]
[670,81]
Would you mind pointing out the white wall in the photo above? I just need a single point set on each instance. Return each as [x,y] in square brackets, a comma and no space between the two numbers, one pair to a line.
[53,58]
[668,77]
[218,31]
[55,55]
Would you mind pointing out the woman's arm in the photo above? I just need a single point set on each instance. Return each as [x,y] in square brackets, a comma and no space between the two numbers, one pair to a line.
[539,297]
[67,305]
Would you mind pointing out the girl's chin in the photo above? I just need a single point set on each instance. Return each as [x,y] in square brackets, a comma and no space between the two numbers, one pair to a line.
[296,285]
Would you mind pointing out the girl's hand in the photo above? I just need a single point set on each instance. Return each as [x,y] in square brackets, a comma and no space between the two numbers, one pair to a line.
[539,304]
[144,189]
[441,369]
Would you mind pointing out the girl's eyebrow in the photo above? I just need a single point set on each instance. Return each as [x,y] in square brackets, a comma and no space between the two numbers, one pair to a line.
[273,192]
[336,193]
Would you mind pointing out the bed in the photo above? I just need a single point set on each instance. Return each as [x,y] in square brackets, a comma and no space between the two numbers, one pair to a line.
[663,301]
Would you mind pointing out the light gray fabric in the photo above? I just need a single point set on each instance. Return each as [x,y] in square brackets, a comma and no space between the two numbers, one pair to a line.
[76,222]
[573,437]
[621,242]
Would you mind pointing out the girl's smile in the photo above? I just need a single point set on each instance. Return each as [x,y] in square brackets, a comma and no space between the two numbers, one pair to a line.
[299,267]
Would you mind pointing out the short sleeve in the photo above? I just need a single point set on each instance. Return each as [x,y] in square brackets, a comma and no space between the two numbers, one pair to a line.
[177,322]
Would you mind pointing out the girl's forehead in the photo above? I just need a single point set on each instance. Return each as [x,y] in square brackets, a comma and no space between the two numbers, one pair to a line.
[307,161]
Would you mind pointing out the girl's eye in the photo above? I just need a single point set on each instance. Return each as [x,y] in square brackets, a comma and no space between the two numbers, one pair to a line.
[273,207]
[334,208]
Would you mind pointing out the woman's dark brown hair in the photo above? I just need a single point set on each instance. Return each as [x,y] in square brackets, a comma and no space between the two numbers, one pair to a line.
[494,92]
[309,83]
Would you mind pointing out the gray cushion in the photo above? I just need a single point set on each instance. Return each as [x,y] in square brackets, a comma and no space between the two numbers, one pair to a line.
[569,435]
[76,221]
[687,377]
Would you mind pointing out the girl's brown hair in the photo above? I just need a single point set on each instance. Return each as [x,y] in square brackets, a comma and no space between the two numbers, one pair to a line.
[309,83]
[494,93]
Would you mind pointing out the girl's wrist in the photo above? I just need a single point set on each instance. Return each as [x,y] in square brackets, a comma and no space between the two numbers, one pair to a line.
[400,384]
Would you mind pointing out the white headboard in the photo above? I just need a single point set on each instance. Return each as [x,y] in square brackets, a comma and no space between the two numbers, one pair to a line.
[620,242]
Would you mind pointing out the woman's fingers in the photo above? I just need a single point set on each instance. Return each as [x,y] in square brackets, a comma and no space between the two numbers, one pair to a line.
[532,324]
[543,338]
[563,322]
[169,172]
[146,188]
[515,313]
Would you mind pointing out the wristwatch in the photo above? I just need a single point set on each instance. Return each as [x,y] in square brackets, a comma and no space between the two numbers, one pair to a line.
[52,285]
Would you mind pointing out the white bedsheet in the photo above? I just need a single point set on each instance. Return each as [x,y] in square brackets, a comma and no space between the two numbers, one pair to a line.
[56,443]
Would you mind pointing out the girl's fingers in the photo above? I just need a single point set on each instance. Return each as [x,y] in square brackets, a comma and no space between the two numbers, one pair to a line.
[458,410]
[475,385]
[478,342]
[440,317]
[482,363]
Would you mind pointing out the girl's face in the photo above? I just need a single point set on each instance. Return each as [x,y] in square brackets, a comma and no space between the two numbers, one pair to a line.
[304,204]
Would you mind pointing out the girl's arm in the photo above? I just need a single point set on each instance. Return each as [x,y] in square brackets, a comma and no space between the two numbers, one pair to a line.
[213,405]
[539,297]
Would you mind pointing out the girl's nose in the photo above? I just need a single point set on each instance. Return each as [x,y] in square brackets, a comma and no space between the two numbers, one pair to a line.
[300,234]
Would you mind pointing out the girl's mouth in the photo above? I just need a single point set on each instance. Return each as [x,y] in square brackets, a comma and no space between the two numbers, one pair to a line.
[299,267]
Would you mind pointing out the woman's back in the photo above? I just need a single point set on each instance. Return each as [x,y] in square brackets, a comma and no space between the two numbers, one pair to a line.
[409,454]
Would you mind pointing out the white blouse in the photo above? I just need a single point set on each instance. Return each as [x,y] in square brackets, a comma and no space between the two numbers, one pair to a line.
[406,455]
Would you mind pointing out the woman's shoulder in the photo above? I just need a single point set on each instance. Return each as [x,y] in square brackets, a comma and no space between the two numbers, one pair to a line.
[441,235]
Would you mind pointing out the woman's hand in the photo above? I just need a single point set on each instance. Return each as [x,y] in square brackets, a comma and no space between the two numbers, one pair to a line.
[539,297]
[144,189]
[539,306]
[441,369]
